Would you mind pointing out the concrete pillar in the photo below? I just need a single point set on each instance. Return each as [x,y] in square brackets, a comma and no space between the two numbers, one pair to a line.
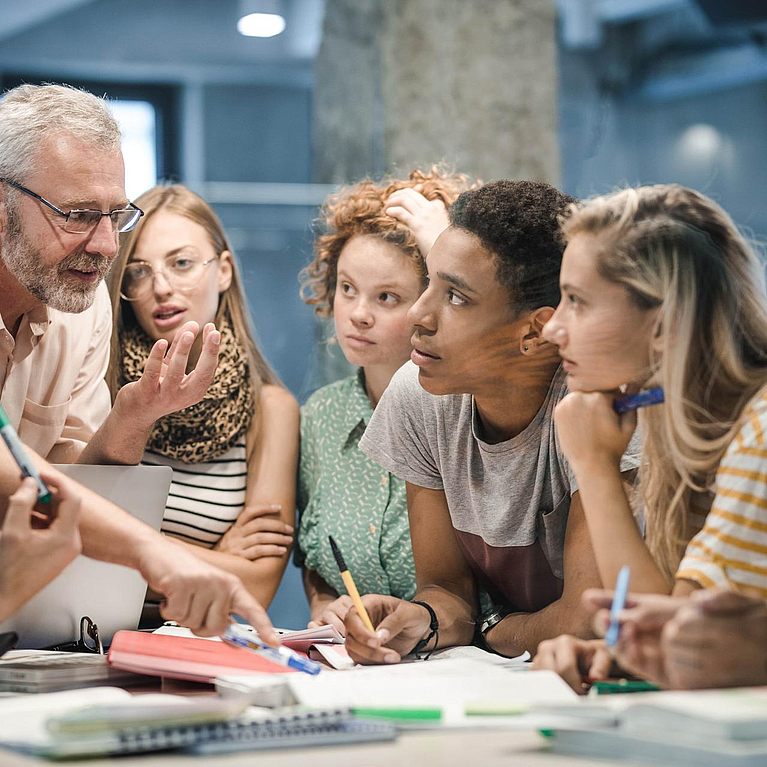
[408,82]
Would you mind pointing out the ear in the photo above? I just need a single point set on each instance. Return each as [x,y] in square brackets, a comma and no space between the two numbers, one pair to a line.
[657,336]
[532,339]
[225,271]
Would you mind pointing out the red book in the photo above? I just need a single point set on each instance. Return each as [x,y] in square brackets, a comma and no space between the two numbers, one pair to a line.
[198,660]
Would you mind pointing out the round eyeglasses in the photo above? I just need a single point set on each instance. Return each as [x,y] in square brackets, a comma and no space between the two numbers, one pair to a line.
[182,272]
[83,221]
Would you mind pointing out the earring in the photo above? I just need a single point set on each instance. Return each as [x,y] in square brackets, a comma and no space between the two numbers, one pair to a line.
[526,348]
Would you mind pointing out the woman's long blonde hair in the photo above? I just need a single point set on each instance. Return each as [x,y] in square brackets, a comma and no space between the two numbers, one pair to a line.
[178,199]
[677,250]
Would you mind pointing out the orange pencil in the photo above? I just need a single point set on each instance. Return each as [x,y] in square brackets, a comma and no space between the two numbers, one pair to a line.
[349,583]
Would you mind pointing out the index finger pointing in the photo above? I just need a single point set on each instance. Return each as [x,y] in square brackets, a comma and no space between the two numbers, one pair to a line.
[245,605]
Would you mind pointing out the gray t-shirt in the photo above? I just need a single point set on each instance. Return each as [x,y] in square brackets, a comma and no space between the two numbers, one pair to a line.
[508,501]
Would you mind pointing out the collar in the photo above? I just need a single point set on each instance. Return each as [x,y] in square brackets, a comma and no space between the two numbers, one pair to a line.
[38,320]
[358,410]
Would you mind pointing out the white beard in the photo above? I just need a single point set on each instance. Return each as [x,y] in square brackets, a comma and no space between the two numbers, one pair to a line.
[50,284]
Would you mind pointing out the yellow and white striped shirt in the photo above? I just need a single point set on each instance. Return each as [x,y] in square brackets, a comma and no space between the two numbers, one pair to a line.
[731,549]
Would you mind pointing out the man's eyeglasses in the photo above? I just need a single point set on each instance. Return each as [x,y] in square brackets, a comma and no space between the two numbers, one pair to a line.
[182,271]
[84,221]
[89,641]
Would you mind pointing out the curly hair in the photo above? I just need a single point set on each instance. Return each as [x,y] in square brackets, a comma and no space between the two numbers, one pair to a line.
[518,222]
[360,210]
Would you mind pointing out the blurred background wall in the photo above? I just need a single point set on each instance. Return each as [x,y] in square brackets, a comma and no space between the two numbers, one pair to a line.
[587,94]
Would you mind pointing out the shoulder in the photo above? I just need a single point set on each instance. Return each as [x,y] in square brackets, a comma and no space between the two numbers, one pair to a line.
[334,395]
[277,401]
[753,429]
[405,389]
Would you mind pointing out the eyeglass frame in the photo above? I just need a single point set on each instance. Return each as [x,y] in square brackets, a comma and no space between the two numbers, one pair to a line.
[87,627]
[22,188]
[154,275]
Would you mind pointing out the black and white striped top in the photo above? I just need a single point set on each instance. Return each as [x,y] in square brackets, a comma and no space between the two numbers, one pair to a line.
[204,498]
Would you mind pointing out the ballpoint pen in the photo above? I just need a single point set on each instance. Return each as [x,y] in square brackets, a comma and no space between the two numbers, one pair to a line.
[284,656]
[619,601]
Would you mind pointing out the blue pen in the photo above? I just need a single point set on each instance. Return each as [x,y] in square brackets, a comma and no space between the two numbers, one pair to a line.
[240,637]
[635,401]
[619,602]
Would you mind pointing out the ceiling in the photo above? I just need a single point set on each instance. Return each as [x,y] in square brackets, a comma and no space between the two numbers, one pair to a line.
[176,40]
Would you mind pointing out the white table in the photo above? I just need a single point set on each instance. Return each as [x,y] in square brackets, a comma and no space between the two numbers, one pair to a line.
[455,748]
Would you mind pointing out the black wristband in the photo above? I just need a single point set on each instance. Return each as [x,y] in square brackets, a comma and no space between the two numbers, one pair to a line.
[433,631]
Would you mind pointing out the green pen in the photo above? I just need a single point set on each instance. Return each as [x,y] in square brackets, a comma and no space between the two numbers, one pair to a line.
[623,685]
[420,714]
[28,469]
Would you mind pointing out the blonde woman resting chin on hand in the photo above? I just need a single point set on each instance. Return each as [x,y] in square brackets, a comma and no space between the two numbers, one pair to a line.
[660,289]
[233,454]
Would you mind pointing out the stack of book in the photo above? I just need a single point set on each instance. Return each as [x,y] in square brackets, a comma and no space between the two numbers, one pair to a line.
[34,671]
[704,727]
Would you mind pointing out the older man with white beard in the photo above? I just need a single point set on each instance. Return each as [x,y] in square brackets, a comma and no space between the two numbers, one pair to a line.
[62,207]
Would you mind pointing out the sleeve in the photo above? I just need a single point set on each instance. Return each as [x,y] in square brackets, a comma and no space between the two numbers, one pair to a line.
[397,436]
[91,402]
[731,549]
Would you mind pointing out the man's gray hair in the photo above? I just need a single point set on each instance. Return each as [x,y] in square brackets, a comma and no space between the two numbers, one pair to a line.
[31,113]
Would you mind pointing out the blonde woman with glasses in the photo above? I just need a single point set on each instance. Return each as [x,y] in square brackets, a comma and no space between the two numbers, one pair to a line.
[233,455]
[659,289]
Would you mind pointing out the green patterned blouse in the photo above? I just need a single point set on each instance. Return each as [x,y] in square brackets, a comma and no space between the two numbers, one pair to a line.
[343,493]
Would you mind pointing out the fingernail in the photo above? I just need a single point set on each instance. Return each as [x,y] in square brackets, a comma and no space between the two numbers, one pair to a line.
[282,549]
[383,635]
[275,506]
[216,337]
[373,643]
[390,657]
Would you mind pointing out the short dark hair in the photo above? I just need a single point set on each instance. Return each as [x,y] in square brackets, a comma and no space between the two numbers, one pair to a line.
[518,222]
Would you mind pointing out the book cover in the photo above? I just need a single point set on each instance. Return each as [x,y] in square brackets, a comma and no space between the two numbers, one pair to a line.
[189,658]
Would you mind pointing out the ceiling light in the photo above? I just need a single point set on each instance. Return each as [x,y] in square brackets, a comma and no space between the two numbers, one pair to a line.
[260,18]
[261,25]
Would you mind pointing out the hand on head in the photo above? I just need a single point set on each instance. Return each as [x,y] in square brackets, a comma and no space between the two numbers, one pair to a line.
[426,219]
[399,625]
[165,386]
[31,556]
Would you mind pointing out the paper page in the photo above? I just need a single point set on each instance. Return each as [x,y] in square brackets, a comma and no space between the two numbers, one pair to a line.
[475,653]
[455,683]
[298,640]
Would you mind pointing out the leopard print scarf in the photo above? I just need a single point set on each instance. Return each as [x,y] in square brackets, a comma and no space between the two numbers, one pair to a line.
[208,429]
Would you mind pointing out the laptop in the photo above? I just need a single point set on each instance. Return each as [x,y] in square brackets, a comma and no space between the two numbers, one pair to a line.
[111,595]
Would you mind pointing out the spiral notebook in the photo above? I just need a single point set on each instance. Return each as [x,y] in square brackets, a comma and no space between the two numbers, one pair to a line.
[107,721]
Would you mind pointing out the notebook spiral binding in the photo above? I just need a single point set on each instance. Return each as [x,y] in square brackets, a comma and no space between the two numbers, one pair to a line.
[309,728]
